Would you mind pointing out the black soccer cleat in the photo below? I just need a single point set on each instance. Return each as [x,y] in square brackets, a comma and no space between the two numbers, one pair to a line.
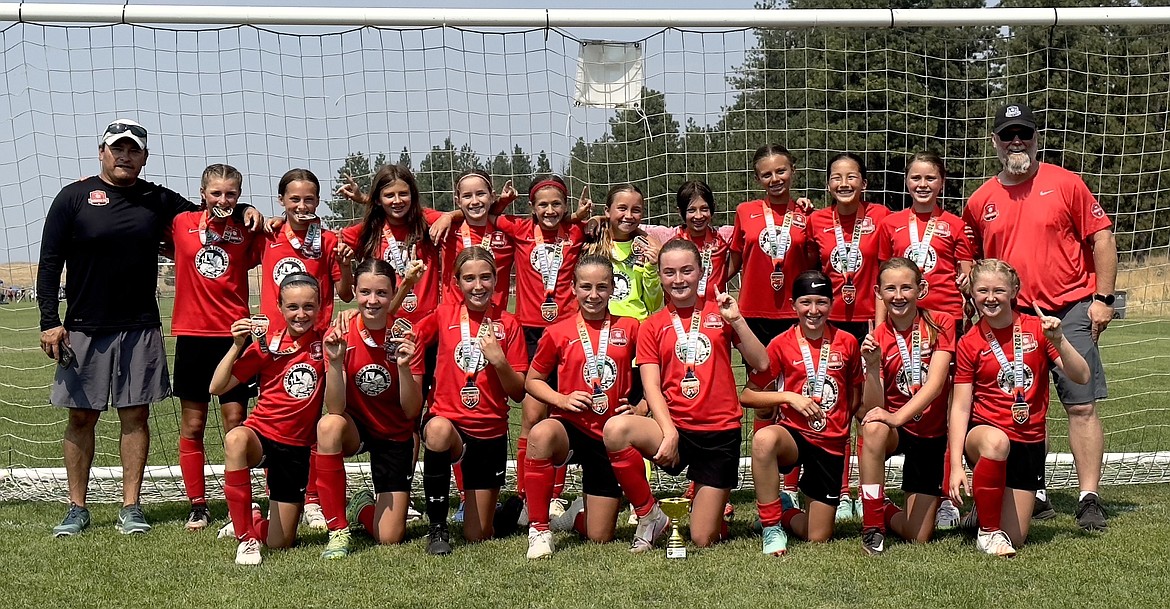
[873,542]
[1091,514]
[1042,509]
[440,540]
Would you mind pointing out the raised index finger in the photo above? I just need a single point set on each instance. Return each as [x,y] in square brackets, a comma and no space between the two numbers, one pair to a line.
[1037,309]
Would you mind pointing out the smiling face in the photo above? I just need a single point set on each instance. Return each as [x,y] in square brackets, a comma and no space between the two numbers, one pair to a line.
[548,207]
[624,214]
[1016,148]
[374,293]
[812,311]
[774,174]
[593,285]
[680,272]
[298,305]
[845,182]
[899,289]
[475,198]
[477,281]
[697,216]
[221,193]
[395,200]
[993,294]
[924,182]
[300,200]
[122,162]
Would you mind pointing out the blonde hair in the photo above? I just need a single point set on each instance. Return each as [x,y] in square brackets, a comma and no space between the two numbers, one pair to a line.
[471,254]
[994,266]
[604,244]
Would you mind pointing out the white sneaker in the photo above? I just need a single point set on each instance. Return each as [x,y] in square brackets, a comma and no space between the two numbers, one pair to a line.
[229,529]
[556,507]
[947,516]
[794,496]
[248,552]
[633,519]
[540,544]
[412,515]
[651,528]
[522,520]
[565,521]
[995,543]
[313,517]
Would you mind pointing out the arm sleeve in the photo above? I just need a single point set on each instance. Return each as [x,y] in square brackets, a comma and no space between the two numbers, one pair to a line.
[55,241]
[651,288]
[971,231]
[966,355]
[885,241]
[647,349]
[737,237]
[1087,215]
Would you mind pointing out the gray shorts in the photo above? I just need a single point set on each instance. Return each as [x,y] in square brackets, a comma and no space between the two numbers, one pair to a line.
[121,368]
[1074,321]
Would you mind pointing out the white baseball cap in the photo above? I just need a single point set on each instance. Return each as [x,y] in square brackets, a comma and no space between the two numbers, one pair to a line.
[124,128]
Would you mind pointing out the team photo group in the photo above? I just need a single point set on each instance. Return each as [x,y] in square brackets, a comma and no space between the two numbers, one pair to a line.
[865,333]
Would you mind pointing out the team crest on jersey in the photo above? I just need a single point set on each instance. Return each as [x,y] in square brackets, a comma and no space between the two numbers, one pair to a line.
[232,234]
[211,262]
[499,240]
[903,382]
[838,259]
[868,225]
[621,285]
[315,351]
[942,229]
[990,212]
[98,198]
[829,397]
[798,220]
[1029,342]
[372,380]
[915,253]
[713,321]
[463,353]
[1097,211]
[287,266]
[300,381]
[836,362]
[618,337]
[703,347]
[1007,381]
[608,374]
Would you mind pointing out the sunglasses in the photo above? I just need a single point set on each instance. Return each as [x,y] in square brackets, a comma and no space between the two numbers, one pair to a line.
[135,130]
[1024,133]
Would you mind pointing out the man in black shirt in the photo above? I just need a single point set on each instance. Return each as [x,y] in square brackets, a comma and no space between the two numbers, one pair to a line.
[106,231]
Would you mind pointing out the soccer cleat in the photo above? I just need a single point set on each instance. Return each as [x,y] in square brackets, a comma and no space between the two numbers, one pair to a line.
[522,520]
[357,503]
[844,510]
[412,515]
[458,517]
[1091,514]
[793,499]
[970,522]
[540,544]
[858,511]
[313,517]
[76,520]
[565,521]
[229,529]
[199,518]
[338,546]
[947,516]
[131,520]
[651,528]
[439,543]
[248,552]
[873,542]
[556,507]
[995,543]
[775,541]
[1042,509]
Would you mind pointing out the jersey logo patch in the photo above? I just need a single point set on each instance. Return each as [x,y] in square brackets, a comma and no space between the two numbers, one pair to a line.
[836,362]
[618,337]
[372,380]
[990,213]
[621,285]
[300,381]
[211,262]
[499,240]
[98,198]
[867,225]
[1097,211]
[287,266]
[1029,341]
[713,321]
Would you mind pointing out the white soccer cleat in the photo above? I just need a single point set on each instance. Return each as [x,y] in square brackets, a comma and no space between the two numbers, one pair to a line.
[556,507]
[227,530]
[412,515]
[651,528]
[565,521]
[995,543]
[248,552]
[314,518]
[540,544]
[947,516]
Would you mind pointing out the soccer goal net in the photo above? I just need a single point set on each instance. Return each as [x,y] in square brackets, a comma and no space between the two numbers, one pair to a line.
[650,105]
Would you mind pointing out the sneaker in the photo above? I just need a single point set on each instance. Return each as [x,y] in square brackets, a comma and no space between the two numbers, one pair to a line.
[523,520]
[651,528]
[412,515]
[775,541]
[556,507]
[1042,510]
[858,512]
[995,543]
[565,521]
[970,522]
[947,516]
[844,510]
[439,543]
[131,520]
[248,552]
[76,520]
[873,541]
[1091,514]
[227,530]
[458,517]
[199,518]
[540,544]
[338,546]
[313,517]
[357,503]
[793,499]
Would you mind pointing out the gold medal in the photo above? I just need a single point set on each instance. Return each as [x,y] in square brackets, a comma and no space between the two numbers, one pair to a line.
[689,386]
[549,311]
[410,303]
[777,281]
[848,293]
[469,395]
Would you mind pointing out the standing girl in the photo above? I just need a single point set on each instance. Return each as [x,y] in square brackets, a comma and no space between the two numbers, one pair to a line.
[696,209]
[637,291]
[476,198]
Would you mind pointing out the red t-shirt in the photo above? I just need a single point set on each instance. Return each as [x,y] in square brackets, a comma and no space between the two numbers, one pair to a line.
[560,351]
[211,281]
[932,422]
[712,246]
[530,292]
[426,291]
[280,260]
[949,244]
[786,372]
[371,388]
[1042,228]
[503,248]
[750,238]
[823,246]
[292,389]
[994,389]
[488,418]
[716,406]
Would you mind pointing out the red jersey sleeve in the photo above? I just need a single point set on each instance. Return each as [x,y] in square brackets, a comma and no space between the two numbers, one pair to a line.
[547,354]
[967,356]
[965,250]
[1050,349]
[350,235]
[736,239]
[515,348]
[516,227]
[765,379]
[431,215]
[972,231]
[647,352]
[885,240]
[1087,215]
[248,365]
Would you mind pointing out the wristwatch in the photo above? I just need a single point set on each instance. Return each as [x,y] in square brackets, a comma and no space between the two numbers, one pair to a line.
[1105,298]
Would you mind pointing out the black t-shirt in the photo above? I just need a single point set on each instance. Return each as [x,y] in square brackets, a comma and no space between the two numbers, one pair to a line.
[108,239]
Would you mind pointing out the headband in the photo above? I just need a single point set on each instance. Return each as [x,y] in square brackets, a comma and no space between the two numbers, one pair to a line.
[812,284]
[545,184]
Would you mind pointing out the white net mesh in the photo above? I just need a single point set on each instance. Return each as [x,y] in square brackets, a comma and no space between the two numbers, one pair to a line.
[444,99]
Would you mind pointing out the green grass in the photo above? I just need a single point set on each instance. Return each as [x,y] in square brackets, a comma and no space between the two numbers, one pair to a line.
[170,567]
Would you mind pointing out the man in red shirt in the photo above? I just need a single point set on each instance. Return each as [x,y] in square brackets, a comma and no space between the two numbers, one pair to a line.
[1042,220]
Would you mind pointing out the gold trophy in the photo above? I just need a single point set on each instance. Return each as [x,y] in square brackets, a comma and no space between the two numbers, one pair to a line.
[675,508]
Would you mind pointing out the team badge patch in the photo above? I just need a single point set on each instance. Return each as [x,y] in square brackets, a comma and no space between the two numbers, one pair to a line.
[499,241]
[372,380]
[98,198]
[868,226]
[621,285]
[836,362]
[1097,211]
[991,212]
[713,321]
[617,336]
[211,262]
[300,381]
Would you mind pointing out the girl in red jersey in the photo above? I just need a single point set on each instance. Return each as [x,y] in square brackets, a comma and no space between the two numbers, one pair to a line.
[591,355]
[690,388]
[935,239]
[1000,404]
[696,208]
[907,388]
[812,379]
[371,405]
[476,199]
[213,254]
[481,366]
[281,429]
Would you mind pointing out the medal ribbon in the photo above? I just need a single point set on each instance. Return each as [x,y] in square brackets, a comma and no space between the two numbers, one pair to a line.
[473,355]
[394,254]
[778,240]
[691,339]
[368,338]
[816,376]
[911,357]
[275,342]
[705,253]
[919,250]
[206,234]
[465,233]
[550,261]
[312,244]
[853,248]
[1018,352]
[594,362]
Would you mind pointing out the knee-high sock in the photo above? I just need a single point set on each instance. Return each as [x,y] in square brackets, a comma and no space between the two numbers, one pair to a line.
[631,475]
[521,464]
[872,498]
[792,479]
[559,475]
[311,495]
[437,485]
[237,489]
[331,489]
[845,471]
[770,513]
[988,481]
[539,474]
[191,460]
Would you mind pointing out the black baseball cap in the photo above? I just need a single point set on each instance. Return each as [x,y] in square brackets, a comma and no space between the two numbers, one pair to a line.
[1013,115]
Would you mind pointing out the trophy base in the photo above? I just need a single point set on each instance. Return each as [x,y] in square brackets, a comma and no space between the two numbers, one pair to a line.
[676,552]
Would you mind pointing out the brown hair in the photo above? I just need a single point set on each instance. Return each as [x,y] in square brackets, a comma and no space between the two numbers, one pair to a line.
[370,236]
[471,254]
[898,262]
[221,171]
[297,175]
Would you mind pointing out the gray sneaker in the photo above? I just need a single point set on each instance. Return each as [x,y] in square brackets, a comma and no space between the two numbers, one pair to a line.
[76,521]
[131,520]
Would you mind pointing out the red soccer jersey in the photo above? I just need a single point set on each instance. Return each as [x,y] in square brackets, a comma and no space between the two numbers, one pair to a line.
[994,388]
[530,287]
[371,388]
[1042,228]
[502,246]
[714,252]
[750,237]
[280,259]
[823,246]
[211,273]
[488,418]
[716,406]
[932,422]
[560,350]
[786,372]
[938,255]
[292,388]
[426,291]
